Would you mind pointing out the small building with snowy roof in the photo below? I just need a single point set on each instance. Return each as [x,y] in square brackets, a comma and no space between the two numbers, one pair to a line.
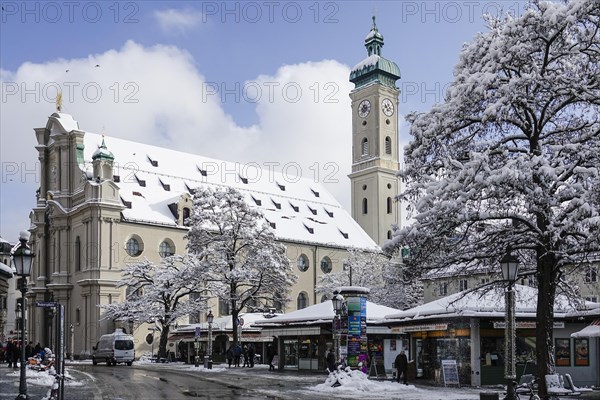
[104,202]
[468,327]
[304,336]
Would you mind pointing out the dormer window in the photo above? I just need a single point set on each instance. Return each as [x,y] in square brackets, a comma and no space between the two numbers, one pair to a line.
[281,187]
[330,213]
[141,182]
[309,229]
[315,192]
[116,178]
[126,203]
[344,234]
[166,187]
[295,208]
[312,210]
[190,189]
[244,180]
[276,204]
[271,224]
[153,162]
[256,201]
[202,171]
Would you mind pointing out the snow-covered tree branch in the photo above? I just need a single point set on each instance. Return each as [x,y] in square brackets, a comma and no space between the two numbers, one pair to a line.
[244,263]
[512,157]
[160,293]
[381,275]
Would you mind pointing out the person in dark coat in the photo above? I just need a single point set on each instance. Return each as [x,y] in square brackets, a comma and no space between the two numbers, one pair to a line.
[230,355]
[330,360]
[245,354]
[270,356]
[401,363]
[251,355]
[237,354]
[10,349]
[29,350]
[16,354]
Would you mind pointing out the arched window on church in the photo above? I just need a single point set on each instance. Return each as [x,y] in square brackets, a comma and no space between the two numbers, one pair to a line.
[388,145]
[389,234]
[302,300]
[365,147]
[365,207]
[389,205]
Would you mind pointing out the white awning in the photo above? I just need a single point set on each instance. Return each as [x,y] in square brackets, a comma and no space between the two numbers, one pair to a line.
[592,330]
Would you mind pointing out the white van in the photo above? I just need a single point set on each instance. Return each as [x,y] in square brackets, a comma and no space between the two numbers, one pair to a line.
[114,348]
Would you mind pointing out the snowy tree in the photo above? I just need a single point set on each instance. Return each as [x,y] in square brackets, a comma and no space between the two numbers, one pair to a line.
[160,293]
[245,265]
[511,158]
[384,277]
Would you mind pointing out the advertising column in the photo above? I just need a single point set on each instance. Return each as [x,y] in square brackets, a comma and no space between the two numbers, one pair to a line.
[356,328]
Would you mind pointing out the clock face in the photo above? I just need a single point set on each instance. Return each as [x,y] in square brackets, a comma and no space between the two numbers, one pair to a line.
[388,107]
[364,108]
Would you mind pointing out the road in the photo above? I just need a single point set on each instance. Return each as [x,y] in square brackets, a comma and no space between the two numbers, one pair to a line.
[133,383]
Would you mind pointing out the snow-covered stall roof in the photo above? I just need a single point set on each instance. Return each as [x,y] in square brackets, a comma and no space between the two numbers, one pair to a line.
[488,303]
[322,313]
[299,209]
[5,269]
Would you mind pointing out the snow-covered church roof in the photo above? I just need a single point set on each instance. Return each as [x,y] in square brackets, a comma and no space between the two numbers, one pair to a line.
[151,178]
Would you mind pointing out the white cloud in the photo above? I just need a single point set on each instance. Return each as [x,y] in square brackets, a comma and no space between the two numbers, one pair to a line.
[304,116]
[178,20]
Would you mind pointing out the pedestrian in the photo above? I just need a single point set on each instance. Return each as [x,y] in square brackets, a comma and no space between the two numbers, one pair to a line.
[16,354]
[245,354]
[330,360]
[270,356]
[237,354]
[251,355]
[230,355]
[401,363]
[37,349]
[10,349]
[29,350]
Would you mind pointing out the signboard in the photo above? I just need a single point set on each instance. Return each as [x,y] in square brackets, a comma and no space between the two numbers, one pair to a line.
[450,372]
[46,304]
[526,325]
[418,328]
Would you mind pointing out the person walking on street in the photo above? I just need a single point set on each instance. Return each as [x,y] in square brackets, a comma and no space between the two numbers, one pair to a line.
[330,360]
[230,355]
[270,356]
[245,354]
[237,353]
[401,363]
[10,349]
[251,355]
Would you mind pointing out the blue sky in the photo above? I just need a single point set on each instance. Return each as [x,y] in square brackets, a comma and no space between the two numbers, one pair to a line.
[262,81]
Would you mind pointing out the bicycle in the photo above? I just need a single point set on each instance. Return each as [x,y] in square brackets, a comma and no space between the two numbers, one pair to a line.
[526,387]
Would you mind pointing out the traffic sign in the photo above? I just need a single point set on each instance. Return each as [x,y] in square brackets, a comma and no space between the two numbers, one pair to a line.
[46,304]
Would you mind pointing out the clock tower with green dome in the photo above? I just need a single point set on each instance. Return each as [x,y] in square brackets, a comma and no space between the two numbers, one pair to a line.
[374,181]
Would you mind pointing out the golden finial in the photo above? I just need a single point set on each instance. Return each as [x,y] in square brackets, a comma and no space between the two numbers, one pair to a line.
[59,101]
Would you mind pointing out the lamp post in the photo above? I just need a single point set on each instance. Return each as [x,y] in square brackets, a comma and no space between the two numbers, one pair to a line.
[510,267]
[338,304]
[209,318]
[22,259]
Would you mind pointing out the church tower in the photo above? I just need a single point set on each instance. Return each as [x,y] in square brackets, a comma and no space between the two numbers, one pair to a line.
[374,183]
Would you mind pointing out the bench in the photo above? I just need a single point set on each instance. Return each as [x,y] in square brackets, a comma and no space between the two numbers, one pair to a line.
[556,386]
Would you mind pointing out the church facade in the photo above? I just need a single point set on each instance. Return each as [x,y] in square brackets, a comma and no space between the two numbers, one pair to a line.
[104,202]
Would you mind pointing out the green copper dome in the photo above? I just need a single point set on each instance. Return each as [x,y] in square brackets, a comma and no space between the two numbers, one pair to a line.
[103,153]
[375,68]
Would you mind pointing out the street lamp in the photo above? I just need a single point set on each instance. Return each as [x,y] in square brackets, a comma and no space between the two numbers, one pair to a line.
[510,267]
[22,258]
[209,318]
[338,305]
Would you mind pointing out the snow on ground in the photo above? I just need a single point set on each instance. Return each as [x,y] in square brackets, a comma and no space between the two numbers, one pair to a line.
[44,378]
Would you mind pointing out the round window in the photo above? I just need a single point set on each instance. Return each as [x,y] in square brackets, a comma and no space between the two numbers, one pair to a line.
[133,247]
[165,249]
[326,265]
[302,262]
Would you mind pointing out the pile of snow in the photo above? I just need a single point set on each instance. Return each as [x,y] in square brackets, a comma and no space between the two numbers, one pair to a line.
[357,381]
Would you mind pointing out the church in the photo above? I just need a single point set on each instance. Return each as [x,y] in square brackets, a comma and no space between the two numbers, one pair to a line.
[104,202]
